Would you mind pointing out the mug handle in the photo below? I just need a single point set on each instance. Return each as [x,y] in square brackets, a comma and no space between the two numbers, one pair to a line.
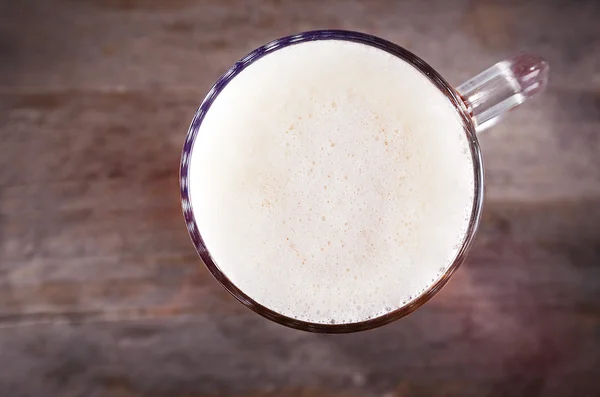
[505,85]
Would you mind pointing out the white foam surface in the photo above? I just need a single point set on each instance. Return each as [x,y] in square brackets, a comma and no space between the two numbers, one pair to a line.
[332,182]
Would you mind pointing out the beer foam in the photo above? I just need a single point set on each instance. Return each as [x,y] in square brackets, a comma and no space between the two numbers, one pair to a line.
[332,182]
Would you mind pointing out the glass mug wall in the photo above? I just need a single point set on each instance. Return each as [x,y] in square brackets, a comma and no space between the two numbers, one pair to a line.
[477,104]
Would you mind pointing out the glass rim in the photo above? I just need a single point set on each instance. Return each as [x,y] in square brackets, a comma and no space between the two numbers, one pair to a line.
[373,41]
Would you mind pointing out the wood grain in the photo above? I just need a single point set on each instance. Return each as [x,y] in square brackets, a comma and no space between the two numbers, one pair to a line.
[102,293]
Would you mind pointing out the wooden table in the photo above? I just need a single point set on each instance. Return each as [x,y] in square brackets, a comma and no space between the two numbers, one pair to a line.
[102,294]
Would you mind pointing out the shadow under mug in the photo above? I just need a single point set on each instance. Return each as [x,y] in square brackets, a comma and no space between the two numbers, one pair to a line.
[479,102]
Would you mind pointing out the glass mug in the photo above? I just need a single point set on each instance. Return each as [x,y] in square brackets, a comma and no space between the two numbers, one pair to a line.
[479,102]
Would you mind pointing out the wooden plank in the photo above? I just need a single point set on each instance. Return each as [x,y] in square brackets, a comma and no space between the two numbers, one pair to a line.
[433,352]
[540,256]
[148,44]
[137,136]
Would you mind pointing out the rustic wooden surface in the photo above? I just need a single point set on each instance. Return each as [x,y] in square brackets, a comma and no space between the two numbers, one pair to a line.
[102,294]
